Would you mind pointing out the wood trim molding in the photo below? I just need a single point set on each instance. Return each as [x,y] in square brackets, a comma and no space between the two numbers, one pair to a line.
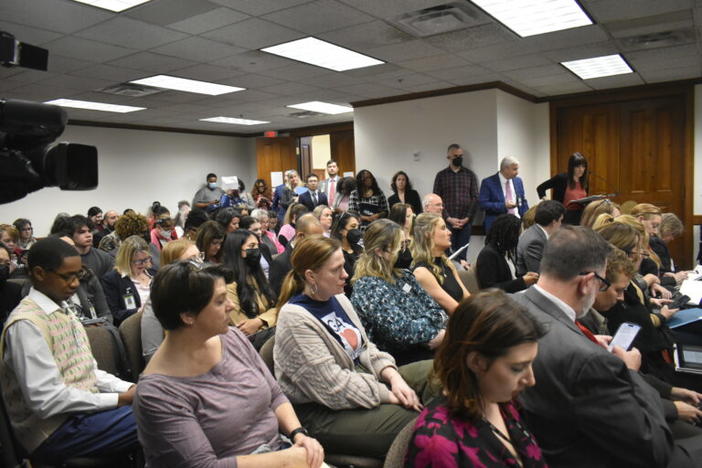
[696,220]
[629,92]
[152,128]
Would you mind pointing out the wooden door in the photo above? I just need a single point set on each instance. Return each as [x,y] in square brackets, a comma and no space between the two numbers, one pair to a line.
[343,151]
[636,147]
[275,155]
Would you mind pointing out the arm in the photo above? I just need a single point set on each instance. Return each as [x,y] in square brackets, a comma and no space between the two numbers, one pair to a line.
[487,203]
[532,257]
[429,283]
[547,185]
[384,209]
[99,300]
[487,268]
[473,205]
[113,294]
[353,203]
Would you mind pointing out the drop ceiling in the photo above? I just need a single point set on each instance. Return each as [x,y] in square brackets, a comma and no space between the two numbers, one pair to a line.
[218,40]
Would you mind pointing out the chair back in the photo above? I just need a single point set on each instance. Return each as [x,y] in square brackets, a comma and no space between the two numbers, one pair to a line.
[108,350]
[470,280]
[130,331]
[266,353]
[396,454]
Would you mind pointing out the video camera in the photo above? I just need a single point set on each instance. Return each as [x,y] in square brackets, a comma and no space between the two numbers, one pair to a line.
[27,129]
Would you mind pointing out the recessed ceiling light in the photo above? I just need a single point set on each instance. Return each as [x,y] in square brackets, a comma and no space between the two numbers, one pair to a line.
[113,5]
[322,107]
[234,121]
[97,106]
[184,84]
[532,17]
[322,54]
[598,67]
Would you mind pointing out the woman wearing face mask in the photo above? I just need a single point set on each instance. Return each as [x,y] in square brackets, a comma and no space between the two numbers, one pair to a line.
[403,215]
[400,317]
[254,311]
[483,364]
[163,231]
[433,270]
[569,186]
[345,229]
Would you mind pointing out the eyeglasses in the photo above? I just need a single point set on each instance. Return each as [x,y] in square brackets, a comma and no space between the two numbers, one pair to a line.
[605,283]
[69,277]
[142,261]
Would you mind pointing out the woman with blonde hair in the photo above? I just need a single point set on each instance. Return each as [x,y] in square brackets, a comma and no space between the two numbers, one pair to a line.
[596,208]
[432,269]
[348,394]
[324,214]
[399,315]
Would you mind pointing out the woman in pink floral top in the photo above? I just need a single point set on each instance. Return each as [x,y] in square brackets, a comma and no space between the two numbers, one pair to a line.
[483,363]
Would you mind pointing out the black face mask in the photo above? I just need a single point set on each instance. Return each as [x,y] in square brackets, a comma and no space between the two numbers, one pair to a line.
[354,236]
[458,162]
[253,257]
[404,259]
[4,274]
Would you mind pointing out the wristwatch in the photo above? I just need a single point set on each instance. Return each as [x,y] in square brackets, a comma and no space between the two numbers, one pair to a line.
[299,430]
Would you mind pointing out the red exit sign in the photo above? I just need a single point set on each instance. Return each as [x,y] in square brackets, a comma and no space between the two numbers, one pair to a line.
[270,134]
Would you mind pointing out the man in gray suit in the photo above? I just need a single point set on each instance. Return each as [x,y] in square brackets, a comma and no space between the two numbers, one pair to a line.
[590,407]
[548,217]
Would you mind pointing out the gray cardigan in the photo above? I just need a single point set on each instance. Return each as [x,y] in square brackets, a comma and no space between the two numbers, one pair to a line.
[311,365]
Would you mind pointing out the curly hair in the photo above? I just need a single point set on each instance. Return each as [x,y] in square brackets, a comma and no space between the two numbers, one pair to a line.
[131,224]
[504,235]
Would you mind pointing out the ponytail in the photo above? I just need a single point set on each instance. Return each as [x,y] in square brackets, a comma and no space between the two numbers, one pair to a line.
[292,285]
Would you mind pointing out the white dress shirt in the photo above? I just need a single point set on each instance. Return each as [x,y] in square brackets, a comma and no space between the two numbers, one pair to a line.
[44,391]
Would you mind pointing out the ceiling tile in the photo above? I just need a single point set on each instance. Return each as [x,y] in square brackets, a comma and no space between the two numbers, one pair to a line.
[460,73]
[112,73]
[165,12]
[60,64]
[75,82]
[296,71]
[651,24]
[604,11]
[213,19]
[128,32]
[198,49]
[333,80]
[374,70]
[289,88]
[84,49]
[29,76]
[583,51]
[404,51]
[259,7]
[61,16]
[253,33]
[435,62]
[669,57]
[366,36]
[390,8]
[515,63]
[562,77]
[536,72]
[28,34]
[371,90]
[567,38]
[151,62]
[656,75]
[253,61]
[318,16]
[477,36]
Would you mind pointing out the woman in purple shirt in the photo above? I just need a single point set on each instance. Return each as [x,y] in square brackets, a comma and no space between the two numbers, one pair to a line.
[206,398]
[483,363]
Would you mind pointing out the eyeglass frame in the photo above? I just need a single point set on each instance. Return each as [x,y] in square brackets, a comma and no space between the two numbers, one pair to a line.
[604,281]
[68,277]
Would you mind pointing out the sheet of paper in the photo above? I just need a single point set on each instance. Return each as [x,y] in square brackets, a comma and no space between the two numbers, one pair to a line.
[230,182]
[693,289]
[276,179]
[348,174]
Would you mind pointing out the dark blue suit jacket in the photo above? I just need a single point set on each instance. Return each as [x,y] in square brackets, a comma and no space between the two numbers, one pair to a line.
[492,201]
[306,199]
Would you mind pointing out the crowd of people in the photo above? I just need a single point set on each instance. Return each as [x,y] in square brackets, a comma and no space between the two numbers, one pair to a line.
[362,299]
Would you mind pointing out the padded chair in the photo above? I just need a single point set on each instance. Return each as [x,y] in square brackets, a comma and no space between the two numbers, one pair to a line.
[470,280]
[104,348]
[396,455]
[130,331]
[266,353]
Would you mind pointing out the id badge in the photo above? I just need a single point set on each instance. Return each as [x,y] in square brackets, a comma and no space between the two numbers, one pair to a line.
[129,301]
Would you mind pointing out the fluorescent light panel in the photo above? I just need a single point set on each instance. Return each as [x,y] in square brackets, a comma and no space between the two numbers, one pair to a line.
[96,106]
[189,86]
[598,67]
[113,5]
[234,121]
[322,107]
[322,54]
[532,17]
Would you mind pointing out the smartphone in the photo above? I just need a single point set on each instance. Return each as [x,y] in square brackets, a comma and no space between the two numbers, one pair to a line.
[625,335]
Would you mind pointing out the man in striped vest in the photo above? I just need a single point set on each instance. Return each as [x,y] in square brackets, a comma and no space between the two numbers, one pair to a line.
[60,404]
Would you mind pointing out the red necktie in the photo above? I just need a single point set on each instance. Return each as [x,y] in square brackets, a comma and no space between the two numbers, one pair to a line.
[586,332]
[332,192]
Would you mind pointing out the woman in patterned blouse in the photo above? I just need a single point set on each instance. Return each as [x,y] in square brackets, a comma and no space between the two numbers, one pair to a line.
[368,201]
[483,363]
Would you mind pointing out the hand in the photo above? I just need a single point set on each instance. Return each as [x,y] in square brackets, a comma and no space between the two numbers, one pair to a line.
[250,326]
[660,302]
[667,313]
[510,205]
[126,398]
[315,452]
[662,292]
[687,412]
[453,222]
[530,278]
[404,393]
[213,202]
[686,395]
[632,358]
[436,341]
[464,264]
[603,340]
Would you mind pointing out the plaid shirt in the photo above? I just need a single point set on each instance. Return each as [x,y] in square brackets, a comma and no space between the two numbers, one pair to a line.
[458,191]
[379,202]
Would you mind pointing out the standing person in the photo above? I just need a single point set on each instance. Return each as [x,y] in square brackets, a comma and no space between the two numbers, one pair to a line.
[503,193]
[26,233]
[98,261]
[404,193]
[569,186]
[261,194]
[208,196]
[368,201]
[313,197]
[458,188]
[343,194]
[330,185]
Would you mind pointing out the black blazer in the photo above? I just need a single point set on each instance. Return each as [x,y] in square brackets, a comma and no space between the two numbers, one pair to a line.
[558,183]
[411,198]
[492,271]
[115,287]
[279,268]
[306,199]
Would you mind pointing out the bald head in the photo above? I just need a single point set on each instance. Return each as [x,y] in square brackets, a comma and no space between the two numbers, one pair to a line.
[307,225]
[433,204]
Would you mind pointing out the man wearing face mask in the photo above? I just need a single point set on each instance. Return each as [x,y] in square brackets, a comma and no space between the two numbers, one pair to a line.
[458,188]
[208,196]
[590,407]
[10,292]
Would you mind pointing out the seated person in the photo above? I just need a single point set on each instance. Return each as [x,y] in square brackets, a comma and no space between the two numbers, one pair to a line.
[59,403]
[432,269]
[483,363]
[151,329]
[206,398]
[229,219]
[80,232]
[127,287]
[594,209]
[400,317]
[590,407]
[402,214]
[324,214]
[209,240]
[287,230]
[254,312]
[345,230]
[670,228]
[306,226]
[495,266]
[10,292]
[347,393]
[163,231]
[548,218]
[249,223]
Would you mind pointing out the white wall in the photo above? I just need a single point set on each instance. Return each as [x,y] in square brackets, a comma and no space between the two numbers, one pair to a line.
[137,167]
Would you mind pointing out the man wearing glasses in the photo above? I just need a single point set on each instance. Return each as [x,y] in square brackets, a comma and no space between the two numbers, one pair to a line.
[60,405]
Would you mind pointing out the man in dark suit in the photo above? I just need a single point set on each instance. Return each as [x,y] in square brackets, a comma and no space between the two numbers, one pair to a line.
[547,220]
[503,193]
[313,197]
[590,407]
[306,225]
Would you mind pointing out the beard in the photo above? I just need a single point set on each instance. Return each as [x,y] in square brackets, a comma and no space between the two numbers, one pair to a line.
[588,302]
